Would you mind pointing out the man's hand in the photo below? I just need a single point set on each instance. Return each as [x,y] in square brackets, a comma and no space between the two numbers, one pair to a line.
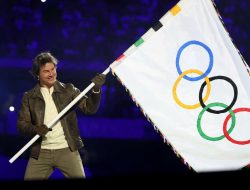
[42,130]
[99,80]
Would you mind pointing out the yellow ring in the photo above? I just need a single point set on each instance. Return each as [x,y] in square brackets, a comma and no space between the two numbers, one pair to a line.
[177,82]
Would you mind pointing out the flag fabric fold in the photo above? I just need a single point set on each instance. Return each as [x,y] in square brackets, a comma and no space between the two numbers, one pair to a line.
[193,85]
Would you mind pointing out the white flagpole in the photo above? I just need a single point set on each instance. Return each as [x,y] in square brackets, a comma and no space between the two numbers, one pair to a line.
[71,104]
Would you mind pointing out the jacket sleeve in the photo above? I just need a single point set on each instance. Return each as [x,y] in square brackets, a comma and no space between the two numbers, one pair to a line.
[24,124]
[88,104]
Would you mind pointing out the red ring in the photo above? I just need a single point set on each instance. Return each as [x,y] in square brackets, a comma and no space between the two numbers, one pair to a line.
[225,127]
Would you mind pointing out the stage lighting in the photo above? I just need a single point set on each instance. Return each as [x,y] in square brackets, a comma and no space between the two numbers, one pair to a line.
[12,108]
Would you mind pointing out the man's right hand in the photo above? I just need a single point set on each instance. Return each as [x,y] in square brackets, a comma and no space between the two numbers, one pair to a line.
[42,130]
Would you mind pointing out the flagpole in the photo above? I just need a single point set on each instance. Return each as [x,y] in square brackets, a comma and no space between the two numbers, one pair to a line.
[71,104]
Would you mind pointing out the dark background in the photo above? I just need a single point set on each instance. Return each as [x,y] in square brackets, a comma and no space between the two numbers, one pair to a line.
[87,36]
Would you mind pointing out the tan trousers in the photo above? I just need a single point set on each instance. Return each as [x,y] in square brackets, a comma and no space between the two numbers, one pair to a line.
[69,163]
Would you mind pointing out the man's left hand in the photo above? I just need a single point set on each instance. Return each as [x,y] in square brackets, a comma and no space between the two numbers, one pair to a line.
[99,80]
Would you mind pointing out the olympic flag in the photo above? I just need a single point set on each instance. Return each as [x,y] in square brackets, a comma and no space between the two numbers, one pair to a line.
[193,85]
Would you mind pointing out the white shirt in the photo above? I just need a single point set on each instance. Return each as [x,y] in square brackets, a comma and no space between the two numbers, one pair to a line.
[54,139]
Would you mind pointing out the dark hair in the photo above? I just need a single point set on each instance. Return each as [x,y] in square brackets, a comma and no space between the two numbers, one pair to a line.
[40,60]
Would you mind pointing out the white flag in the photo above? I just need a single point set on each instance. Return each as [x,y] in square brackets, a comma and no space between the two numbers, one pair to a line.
[193,85]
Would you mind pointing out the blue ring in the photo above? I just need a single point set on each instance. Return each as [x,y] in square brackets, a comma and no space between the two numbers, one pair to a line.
[210,62]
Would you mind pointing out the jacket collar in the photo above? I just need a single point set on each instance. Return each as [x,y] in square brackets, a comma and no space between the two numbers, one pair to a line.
[58,87]
[37,93]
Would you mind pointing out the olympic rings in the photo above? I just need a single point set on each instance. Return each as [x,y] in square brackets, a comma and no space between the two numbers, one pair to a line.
[177,82]
[232,103]
[225,127]
[202,100]
[201,114]
[210,57]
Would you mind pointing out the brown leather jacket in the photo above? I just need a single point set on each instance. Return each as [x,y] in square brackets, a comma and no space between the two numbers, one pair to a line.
[32,113]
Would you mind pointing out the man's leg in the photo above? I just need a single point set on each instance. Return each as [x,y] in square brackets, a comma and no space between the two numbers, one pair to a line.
[39,169]
[69,163]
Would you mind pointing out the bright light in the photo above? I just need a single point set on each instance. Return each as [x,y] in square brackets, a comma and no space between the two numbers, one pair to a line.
[11,108]
[43,1]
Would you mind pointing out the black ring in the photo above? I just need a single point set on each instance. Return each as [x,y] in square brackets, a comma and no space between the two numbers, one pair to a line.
[232,103]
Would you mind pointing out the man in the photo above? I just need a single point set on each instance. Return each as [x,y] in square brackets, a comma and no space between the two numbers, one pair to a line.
[58,146]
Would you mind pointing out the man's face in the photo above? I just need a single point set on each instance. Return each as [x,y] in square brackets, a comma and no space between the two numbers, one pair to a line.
[47,75]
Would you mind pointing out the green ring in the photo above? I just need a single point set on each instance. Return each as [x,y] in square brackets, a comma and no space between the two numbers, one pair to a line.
[201,114]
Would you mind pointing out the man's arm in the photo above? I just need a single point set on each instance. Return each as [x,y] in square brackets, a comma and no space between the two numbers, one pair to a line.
[90,104]
[24,124]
